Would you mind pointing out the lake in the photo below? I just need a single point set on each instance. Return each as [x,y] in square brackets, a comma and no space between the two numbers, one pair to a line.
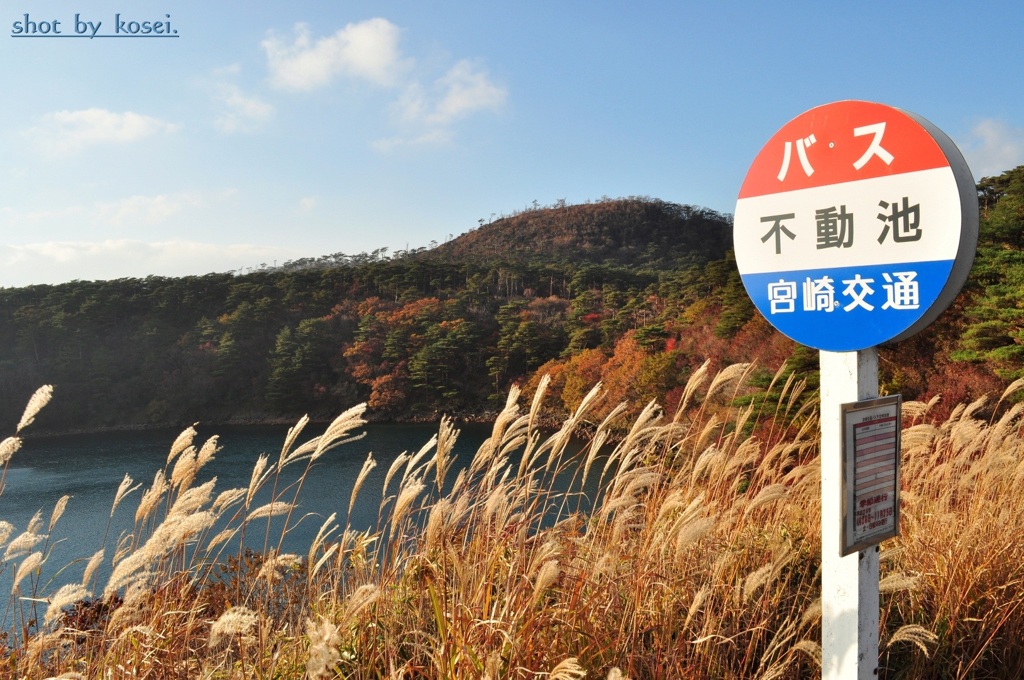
[90,467]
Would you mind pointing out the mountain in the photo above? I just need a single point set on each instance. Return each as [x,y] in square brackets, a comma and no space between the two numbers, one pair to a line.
[635,293]
[637,232]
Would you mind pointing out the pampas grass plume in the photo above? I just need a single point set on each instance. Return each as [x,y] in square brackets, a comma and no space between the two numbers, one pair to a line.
[271,510]
[66,595]
[9,447]
[569,669]
[323,648]
[58,510]
[27,566]
[40,399]
[90,568]
[235,622]
[182,442]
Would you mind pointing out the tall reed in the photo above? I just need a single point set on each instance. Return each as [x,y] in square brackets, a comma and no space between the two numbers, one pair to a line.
[696,557]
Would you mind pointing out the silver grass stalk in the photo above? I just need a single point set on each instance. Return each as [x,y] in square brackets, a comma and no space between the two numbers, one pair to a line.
[22,544]
[414,460]
[398,462]
[917,635]
[193,499]
[697,605]
[185,469]
[68,675]
[151,497]
[66,595]
[40,399]
[323,559]
[405,500]
[896,582]
[691,531]
[90,568]
[600,437]
[6,529]
[812,614]
[271,510]
[225,499]
[447,435]
[27,566]
[812,649]
[363,597]
[175,531]
[275,566]
[221,537]
[58,510]
[324,640]
[490,445]
[123,490]
[258,478]
[235,622]
[207,452]
[8,448]
[293,434]
[768,494]
[36,523]
[974,407]
[341,426]
[1011,388]
[538,398]
[570,669]
[360,478]
[726,377]
[436,522]
[755,580]
[332,437]
[182,442]
[548,574]
[326,529]
[696,379]
[123,549]
[587,402]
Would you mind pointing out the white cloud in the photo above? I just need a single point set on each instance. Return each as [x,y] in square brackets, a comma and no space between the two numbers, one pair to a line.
[143,209]
[438,137]
[240,112]
[467,89]
[367,50]
[425,112]
[993,147]
[125,212]
[67,132]
[307,204]
[61,261]
[464,90]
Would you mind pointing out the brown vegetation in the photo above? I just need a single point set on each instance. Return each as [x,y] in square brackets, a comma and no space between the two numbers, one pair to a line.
[699,557]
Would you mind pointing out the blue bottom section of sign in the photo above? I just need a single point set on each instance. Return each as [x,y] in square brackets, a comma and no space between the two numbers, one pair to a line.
[848,308]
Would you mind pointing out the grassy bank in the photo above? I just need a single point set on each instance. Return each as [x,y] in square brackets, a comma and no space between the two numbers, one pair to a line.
[699,558]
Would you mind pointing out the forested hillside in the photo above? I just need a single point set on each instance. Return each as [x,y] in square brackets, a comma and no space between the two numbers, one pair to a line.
[634,292]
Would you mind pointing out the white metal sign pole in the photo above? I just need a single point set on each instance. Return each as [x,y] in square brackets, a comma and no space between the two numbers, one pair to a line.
[849,585]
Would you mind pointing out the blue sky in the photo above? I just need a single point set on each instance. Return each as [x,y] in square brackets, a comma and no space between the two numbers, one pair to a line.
[273,131]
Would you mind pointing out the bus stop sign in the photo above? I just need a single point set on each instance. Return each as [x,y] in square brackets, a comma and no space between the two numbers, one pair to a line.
[856,225]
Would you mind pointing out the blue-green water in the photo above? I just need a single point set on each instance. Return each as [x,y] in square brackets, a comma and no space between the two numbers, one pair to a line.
[90,467]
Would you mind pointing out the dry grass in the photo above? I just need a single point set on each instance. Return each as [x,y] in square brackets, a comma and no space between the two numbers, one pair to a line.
[699,557]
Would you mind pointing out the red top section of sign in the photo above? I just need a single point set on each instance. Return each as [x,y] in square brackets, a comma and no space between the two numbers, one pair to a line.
[841,142]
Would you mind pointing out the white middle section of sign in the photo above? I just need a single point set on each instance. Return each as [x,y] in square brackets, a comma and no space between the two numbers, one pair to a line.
[934,191]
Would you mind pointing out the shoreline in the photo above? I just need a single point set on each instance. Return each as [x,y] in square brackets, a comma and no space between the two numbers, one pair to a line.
[31,433]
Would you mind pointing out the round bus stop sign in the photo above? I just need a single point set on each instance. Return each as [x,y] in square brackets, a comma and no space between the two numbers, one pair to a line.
[856,225]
